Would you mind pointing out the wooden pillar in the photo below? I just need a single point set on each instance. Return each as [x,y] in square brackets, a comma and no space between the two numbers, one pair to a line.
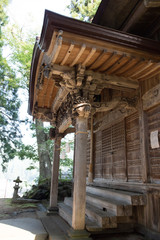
[90,174]
[55,173]
[79,194]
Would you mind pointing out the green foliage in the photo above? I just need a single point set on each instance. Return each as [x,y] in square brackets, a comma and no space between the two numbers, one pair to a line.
[83,9]
[66,161]
[21,47]
[10,134]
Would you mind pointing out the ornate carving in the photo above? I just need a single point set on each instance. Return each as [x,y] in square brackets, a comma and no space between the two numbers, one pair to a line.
[129,102]
[151,97]
[80,70]
[74,106]
[44,114]
[68,80]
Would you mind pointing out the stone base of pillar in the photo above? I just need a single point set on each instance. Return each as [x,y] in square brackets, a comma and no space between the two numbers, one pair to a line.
[52,211]
[90,177]
[78,234]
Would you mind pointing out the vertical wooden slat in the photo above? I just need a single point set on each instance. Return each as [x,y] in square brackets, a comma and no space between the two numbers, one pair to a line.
[153,116]
[90,173]
[118,151]
[97,154]
[107,153]
[133,148]
[113,152]
[143,140]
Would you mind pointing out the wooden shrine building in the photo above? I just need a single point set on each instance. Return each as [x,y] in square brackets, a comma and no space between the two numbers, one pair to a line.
[103,79]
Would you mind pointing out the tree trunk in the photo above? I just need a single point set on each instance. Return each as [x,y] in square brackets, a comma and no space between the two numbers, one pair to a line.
[43,151]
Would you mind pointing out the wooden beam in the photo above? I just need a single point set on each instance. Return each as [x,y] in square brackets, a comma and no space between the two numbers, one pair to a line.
[58,69]
[113,117]
[52,132]
[119,88]
[137,13]
[105,106]
[68,131]
[100,78]
[57,47]
[60,97]
[113,80]
[65,124]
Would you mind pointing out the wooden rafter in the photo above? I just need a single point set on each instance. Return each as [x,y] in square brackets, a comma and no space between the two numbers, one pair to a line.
[150,73]
[69,51]
[148,65]
[83,47]
[118,64]
[118,53]
[92,52]
[99,59]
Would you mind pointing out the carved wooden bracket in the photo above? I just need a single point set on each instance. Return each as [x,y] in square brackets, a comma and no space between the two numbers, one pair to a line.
[44,114]
[151,98]
[53,132]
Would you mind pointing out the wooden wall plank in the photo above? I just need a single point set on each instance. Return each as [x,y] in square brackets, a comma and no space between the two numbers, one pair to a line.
[154,154]
[134,164]
[98,154]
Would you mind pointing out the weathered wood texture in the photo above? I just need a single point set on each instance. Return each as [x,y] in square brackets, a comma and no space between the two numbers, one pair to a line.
[154,154]
[88,154]
[134,168]
[97,155]
[117,151]
[150,83]
[113,152]
[151,98]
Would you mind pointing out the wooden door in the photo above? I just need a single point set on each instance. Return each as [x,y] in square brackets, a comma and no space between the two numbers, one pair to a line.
[107,153]
[134,164]
[153,116]
[113,152]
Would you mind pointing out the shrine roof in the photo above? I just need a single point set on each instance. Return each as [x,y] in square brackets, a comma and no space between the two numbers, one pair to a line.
[119,58]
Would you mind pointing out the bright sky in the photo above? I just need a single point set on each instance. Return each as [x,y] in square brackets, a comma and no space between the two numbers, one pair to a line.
[29,14]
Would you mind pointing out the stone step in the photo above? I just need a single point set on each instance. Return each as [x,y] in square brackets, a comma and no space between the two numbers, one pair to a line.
[117,207]
[65,212]
[105,219]
[125,196]
[68,201]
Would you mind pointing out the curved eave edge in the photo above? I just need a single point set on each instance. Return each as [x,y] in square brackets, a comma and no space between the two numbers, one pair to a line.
[34,63]
[54,21]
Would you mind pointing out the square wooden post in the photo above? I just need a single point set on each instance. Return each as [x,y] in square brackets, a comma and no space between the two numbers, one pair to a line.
[54,179]
[79,194]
